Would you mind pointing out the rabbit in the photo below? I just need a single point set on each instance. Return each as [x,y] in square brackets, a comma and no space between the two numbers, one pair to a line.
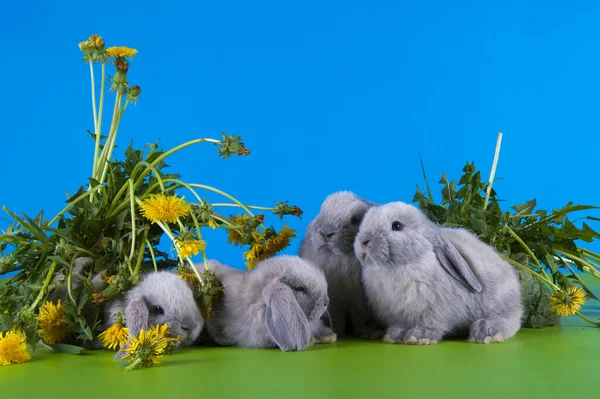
[161,297]
[426,282]
[279,303]
[328,243]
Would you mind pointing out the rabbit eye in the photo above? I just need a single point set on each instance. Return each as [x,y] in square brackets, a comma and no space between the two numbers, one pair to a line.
[158,310]
[300,289]
[397,226]
[355,220]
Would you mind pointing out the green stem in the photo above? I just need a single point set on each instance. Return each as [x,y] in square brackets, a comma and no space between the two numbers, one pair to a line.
[98,125]
[528,250]
[581,260]
[75,201]
[133,227]
[172,151]
[224,194]
[69,287]
[140,258]
[93,94]
[544,279]
[112,136]
[588,320]
[493,172]
[152,255]
[132,178]
[260,208]
[44,287]
[133,365]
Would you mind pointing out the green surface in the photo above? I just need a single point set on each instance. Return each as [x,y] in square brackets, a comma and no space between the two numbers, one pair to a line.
[553,362]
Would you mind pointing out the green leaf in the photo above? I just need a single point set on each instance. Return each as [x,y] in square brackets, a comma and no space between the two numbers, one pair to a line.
[64,348]
[551,263]
[525,208]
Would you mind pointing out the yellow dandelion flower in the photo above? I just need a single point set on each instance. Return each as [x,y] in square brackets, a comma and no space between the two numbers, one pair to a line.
[53,328]
[13,348]
[97,298]
[188,248]
[212,223]
[233,235]
[115,336]
[280,241]
[265,248]
[121,52]
[148,347]
[568,302]
[163,208]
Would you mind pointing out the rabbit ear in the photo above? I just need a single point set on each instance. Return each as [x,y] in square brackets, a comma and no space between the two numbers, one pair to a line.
[454,263]
[286,322]
[136,316]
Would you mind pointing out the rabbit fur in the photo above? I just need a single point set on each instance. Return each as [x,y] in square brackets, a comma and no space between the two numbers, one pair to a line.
[328,243]
[425,282]
[279,303]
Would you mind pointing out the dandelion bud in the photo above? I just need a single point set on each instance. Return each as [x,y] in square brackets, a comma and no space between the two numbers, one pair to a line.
[133,93]
[120,79]
[84,46]
[96,42]
[231,145]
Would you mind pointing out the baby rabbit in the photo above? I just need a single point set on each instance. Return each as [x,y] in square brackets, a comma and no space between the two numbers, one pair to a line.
[277,304]
[328,243]
[161,297]
[425,282]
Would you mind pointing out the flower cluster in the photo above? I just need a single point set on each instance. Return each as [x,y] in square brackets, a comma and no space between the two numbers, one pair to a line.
[149,347]
[119,220]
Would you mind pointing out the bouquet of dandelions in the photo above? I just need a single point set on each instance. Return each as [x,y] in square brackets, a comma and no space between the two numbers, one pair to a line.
[118,220]
[541,244]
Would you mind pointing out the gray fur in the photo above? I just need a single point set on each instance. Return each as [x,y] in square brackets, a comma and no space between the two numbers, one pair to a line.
[159,289]
[425,282]
[277,304]
[328,243]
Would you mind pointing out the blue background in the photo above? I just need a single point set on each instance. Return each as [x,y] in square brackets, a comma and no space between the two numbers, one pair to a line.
[341,96]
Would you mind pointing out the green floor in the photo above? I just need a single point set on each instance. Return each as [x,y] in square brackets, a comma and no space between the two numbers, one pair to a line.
[554,362]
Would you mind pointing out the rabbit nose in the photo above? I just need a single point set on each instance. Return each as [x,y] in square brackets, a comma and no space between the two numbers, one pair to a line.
[326,235]
[366,242]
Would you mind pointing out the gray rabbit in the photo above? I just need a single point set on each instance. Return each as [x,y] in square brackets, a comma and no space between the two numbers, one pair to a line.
[426,282]
[328,243]
[277,304]
[160,298]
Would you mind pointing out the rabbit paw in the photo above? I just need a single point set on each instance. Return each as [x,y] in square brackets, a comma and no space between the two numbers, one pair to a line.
[487,331]
[422,336]
[328,339]
[394,335]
